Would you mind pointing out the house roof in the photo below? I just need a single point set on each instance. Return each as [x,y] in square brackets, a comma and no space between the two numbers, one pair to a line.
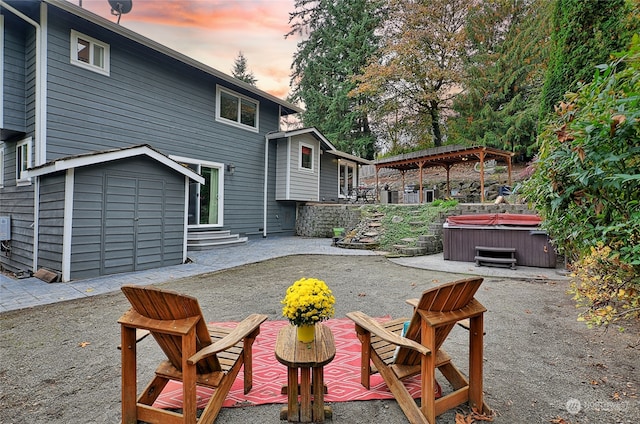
[330,148]
[93,158]
[286,107]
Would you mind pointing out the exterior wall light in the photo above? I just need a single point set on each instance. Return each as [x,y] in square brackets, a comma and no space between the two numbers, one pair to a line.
[231,169]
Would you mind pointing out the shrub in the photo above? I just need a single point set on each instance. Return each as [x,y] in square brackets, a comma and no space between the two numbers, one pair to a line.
[585,184]
[607,288]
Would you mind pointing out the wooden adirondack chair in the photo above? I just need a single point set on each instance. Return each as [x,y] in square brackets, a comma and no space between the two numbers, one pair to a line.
[419,351]
[196,355]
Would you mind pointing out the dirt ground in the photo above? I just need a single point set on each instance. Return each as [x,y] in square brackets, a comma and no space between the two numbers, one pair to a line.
[60,363]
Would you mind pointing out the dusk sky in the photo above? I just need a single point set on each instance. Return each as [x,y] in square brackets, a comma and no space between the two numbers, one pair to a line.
[215,31]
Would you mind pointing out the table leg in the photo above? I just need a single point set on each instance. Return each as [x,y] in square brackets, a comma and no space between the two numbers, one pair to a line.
[318,394]
[292,395]
[305,395]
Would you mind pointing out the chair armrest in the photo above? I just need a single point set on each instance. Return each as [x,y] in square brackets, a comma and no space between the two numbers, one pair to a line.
[369,324]
[412,302]
[246,327]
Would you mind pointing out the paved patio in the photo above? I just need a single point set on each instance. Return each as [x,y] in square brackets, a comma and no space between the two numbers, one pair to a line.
[29,292]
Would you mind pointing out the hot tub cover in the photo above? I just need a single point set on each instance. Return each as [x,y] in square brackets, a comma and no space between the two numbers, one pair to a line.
[495,219]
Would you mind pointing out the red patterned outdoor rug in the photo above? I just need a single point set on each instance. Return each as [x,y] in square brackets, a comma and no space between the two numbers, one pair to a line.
[342,375]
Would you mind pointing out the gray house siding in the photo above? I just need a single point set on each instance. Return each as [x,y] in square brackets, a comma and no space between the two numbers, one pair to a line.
[164,103]
[127,216]
[17,203]
[328,178]
[14,84]
[281,173]
[149,97]
[51,222]
[18,106]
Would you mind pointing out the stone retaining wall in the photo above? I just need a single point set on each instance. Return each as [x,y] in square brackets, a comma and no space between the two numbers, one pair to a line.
[319,219]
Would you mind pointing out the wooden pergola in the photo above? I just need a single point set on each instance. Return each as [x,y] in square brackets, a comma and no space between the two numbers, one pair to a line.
[446,157]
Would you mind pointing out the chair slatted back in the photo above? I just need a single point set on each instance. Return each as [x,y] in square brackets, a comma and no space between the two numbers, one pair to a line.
[445,298]
[167,305]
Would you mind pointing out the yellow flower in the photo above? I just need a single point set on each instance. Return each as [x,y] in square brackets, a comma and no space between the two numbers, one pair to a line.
[308,301]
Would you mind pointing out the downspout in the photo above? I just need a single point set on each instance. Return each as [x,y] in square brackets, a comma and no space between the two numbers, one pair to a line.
[39,126]
[266,175]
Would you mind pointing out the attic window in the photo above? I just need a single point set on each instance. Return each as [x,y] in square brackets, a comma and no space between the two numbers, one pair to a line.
[89,53]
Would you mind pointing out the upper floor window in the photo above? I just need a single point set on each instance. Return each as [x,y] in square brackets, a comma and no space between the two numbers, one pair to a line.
[236,109]
[23,160]
[89,53]
[306,156]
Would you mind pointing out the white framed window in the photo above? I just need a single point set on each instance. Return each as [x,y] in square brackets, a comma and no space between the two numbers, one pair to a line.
[23,161]
[238,110]
[89,53]
[1,166]
[306,158]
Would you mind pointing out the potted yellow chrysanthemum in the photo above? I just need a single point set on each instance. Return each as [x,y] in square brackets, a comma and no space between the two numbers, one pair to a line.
[308,301]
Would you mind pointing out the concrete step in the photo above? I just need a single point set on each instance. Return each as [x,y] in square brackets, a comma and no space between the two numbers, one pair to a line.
[208,235]
[205,240]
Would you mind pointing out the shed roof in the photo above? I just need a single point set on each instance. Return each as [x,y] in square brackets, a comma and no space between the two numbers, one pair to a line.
[93,158]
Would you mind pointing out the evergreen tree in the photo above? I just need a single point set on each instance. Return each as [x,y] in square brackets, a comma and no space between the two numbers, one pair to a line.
[240,70]
[500,102]
[338,40]
[584,33]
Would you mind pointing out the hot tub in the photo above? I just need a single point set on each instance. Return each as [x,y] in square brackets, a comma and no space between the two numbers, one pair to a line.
[462,233]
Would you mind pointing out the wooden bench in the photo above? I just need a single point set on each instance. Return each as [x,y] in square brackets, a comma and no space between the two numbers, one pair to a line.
[496,256]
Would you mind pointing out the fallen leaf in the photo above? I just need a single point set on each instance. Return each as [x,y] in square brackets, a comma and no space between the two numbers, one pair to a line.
[362,294]
[84,344]
[559,421]
[462,419]
[477,415]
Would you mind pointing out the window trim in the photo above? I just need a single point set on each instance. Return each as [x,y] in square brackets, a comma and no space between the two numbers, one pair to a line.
[19,179]
[240,97]
[313,158]
[73,53]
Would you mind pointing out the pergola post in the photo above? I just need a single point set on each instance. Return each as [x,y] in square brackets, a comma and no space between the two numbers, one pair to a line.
[481,176]
[420,165]
[377,186]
